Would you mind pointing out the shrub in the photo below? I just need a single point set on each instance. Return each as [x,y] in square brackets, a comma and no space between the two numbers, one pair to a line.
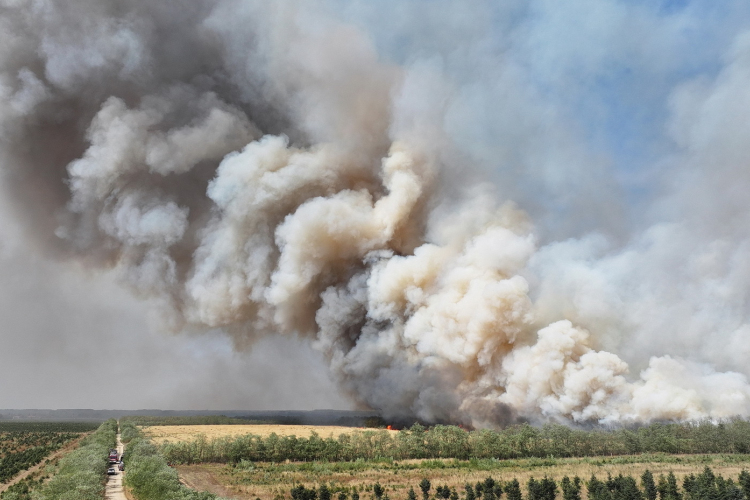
[151,478]
[81,473]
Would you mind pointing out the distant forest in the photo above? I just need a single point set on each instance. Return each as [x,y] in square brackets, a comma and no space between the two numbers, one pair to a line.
[445,441]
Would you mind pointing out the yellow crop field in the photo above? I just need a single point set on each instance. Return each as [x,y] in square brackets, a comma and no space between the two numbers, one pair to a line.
[161,433]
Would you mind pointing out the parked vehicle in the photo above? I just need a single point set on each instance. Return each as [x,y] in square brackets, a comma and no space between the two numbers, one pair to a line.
[111,471]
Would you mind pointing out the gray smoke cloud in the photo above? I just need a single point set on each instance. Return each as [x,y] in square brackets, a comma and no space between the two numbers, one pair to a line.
[280,170]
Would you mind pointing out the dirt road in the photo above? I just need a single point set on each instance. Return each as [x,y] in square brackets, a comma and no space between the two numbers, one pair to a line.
[114,489]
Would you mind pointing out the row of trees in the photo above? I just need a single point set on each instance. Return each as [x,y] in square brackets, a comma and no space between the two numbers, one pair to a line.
[704,486]
[19,427]
[25,444]
[24,489]
[13,463]
[13,442]
[441,441]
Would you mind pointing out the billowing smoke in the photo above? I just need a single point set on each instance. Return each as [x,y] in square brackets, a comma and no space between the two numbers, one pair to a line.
[261,168]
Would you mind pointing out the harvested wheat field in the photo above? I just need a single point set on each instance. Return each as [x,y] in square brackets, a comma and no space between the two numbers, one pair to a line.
[161,433]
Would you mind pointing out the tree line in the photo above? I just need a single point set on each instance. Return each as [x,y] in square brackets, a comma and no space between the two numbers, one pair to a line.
[444,441]
[703,486]
[21,427]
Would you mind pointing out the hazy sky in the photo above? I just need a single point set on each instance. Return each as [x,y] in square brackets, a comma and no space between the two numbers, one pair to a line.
[70,340]
[618,126]
[75,338]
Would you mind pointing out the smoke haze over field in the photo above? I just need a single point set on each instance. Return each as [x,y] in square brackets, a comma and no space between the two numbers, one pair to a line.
[469,213]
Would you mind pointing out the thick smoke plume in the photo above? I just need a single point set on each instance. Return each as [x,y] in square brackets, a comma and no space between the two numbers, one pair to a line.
[259,167]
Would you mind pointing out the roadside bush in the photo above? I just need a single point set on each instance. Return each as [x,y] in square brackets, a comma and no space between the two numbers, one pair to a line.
[128,431]
[151,478]
[82,471]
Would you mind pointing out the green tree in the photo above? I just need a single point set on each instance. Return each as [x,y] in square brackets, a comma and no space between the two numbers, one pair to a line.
[597,490]
[411,495]
[498,490]
[469,492]
[546,489]
[624,488]
[744,481]
[513,490]
[377,490]
[648,484]
[707,486]
[488,489]
[667,487]
[301,493]
[571,489]
[443,492]
[661,487]
[534,489]
[425,486]
[688,486]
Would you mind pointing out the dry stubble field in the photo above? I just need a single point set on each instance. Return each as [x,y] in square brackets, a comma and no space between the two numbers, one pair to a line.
[269,481]
[161,433]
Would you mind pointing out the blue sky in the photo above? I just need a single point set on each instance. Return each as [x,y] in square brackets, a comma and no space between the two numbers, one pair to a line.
[606,69]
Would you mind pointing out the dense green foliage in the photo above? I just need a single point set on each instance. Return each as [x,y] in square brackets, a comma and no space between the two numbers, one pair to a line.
[13,463]
[709,486]
[81,472]
[546,489]
[571,489]
[129,431]
[441,441]
[11,443]
[148,474]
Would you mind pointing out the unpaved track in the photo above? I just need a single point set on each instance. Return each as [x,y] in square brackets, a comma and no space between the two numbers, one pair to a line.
[203,479]
[114,489]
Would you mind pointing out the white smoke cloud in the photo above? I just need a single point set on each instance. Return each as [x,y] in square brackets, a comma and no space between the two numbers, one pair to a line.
[282,170]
